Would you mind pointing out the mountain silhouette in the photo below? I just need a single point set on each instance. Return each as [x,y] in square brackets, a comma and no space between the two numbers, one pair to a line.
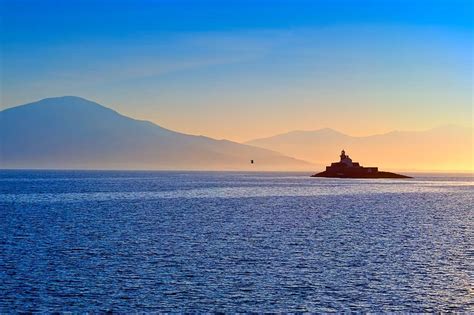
[74,133]
[442,148]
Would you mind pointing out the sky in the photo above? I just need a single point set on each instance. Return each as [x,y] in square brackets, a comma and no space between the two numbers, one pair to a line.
[247,69]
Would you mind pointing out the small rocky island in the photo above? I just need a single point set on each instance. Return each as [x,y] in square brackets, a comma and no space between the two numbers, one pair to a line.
[345,168]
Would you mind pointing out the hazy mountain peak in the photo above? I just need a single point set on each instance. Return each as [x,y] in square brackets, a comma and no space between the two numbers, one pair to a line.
[62,101]
[298,136]
[68,98]
[329,131]
[66,106]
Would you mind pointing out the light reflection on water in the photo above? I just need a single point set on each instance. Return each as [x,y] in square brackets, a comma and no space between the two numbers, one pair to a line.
[170,241]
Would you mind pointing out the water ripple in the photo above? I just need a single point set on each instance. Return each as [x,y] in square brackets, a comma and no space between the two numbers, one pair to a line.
[234,242]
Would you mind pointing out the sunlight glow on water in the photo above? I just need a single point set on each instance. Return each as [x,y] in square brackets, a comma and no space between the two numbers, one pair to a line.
[170,241]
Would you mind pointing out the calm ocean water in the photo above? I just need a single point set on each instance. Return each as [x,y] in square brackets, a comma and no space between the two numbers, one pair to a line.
[215,241]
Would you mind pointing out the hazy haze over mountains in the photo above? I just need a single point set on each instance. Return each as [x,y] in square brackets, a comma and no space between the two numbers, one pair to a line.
[443,148]
[71,132]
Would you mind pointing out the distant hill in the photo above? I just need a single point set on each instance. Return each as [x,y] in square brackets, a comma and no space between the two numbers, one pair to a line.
[443,148]
[74,133]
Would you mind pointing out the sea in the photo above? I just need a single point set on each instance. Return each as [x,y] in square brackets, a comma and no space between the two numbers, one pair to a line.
[146,241]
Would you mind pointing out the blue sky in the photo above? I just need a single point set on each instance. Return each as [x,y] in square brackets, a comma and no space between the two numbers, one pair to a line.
[244,69]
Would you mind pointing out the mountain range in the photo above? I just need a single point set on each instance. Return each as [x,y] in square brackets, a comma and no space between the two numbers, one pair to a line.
[74,133]
[448,148]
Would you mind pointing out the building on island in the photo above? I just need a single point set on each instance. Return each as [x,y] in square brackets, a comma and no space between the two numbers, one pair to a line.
[346,164]
[345,168]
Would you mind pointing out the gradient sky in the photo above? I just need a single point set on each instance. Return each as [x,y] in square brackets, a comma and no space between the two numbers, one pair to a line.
[247,69]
